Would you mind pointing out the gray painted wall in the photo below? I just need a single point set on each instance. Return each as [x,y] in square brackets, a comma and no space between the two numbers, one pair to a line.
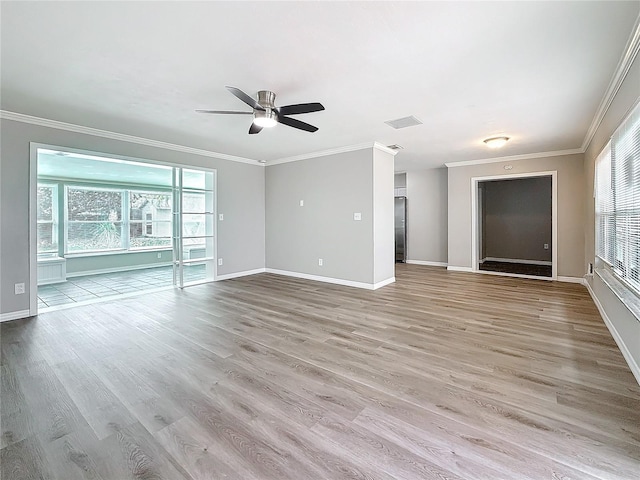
[570,208]
[240,198]
[427,215]
[624,325]
[400,180]
[333,188]
[516,218]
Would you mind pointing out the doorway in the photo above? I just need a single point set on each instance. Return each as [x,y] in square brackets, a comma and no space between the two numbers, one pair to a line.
[106,226]
[514,227]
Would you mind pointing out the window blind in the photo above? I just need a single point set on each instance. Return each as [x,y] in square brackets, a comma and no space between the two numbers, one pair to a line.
[605,224]
[618,202]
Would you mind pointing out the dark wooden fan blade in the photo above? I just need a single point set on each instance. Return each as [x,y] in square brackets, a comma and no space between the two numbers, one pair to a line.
[292,122]
[254,129]
[300,108]
[226,112]
[252,102]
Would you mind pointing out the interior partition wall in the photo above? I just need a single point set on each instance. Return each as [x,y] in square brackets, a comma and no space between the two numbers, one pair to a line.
[189,225]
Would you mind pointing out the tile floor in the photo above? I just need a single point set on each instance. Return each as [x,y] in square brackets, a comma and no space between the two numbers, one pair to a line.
[90,287]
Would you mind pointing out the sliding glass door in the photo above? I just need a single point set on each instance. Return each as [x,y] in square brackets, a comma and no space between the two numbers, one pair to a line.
[194,221]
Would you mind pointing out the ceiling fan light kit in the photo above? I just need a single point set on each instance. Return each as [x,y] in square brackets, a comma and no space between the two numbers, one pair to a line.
[265,119]
[496,142]
[267,115]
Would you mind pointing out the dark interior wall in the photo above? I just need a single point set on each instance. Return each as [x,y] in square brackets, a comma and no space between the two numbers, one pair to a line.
[516,220]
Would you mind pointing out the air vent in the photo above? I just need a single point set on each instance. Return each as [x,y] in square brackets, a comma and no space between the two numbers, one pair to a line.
[395,146]
[404,122]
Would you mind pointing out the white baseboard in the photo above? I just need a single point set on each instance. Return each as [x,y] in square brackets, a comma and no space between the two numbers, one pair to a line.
[453,268]
[384,283]
[5,317]
[424,262]
[579,280]
[228,276]
[116,269]
[516,260]
[337,281]
[633,366]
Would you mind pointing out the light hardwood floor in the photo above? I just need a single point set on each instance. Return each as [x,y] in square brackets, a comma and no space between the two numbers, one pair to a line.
[441,375]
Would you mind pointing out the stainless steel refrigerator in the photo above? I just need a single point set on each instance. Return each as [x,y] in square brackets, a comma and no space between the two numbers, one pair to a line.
[400,212]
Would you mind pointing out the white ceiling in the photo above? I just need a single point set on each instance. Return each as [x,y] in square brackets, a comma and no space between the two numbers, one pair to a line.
[535,71]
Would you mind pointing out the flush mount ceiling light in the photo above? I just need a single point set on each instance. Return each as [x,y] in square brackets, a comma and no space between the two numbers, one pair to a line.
[265,118]
[496,142]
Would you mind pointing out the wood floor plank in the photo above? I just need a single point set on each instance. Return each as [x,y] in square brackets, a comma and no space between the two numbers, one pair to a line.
[15,421]
[97,403]
[132,453]
[24,460]
[190,444]
[76,456]
[51,410]
[443,375]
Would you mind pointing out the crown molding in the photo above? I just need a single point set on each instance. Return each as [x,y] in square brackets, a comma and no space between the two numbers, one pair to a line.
[70,127]
[515,158]
[630,54]
[384,148]
[333,151]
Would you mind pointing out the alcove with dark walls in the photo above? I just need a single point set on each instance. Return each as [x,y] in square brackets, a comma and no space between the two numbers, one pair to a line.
[516,226]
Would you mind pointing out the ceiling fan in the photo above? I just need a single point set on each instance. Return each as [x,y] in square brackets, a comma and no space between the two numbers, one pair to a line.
[266,114]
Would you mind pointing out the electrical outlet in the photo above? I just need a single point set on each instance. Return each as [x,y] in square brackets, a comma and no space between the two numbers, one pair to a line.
[159,255]
[219,261]
[320,262]
[357,216]
[302,203]
[19,288]
[546,246]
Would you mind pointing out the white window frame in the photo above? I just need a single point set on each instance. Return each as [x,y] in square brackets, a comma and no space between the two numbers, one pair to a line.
[34,147]
[614,249]
[144,222]
[55,218]
[67,222]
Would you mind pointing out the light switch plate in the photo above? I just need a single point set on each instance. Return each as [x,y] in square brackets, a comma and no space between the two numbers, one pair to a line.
[221,216]
[302,203]
[357,216]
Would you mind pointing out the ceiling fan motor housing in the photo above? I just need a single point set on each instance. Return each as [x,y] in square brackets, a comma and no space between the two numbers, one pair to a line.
[267,117]
[267,99]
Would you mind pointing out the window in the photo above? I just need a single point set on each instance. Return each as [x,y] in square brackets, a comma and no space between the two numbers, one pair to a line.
[47,219]
[618,202]
[93,219]
[149,226]
[149,219]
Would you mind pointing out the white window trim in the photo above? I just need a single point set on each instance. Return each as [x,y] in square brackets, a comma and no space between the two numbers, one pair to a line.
[33,186]
[626,292]
[55,218]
